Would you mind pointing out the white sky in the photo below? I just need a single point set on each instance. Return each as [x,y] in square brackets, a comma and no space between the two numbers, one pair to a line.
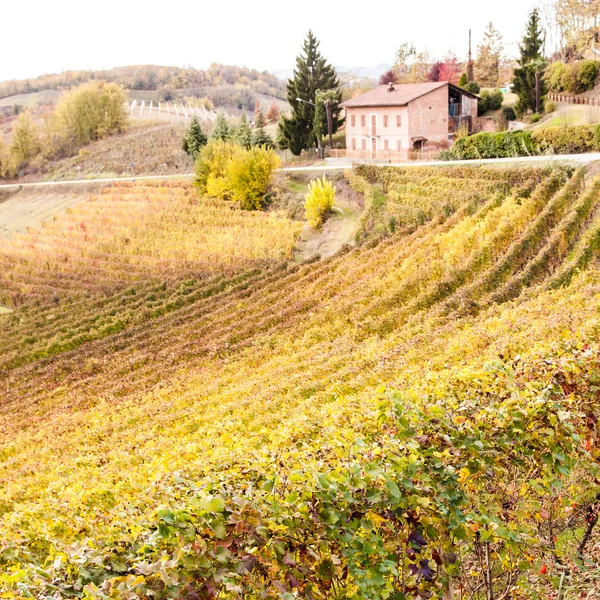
[42,36]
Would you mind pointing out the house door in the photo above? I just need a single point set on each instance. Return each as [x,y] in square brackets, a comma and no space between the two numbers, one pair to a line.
[373,124]
[373,147]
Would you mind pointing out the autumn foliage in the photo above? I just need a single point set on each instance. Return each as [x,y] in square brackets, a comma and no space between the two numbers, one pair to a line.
[186,413]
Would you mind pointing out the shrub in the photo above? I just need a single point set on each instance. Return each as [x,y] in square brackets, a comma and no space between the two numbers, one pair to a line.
[489,101]
[587,74]
[229,172]
[569,79]
[549,140]
[549,107]
[25,140]
[535,117]
[472,87]
[91,111]
[554,76]
[575,77]
[6,163]
[211,167]
[319,201]
[248,175]
[508,112]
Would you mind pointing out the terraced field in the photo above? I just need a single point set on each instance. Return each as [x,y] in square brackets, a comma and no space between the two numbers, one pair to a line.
[187,413]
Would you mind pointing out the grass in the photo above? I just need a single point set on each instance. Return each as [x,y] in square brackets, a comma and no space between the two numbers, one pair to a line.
[567,115]
[32,100]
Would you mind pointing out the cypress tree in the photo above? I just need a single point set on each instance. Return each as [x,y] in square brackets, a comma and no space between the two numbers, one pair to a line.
[260,137]
[243,135]
[221,129]
[312,73]
[194,139]
[530,62]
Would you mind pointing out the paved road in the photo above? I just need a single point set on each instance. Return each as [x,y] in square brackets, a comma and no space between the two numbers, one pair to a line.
[559,158]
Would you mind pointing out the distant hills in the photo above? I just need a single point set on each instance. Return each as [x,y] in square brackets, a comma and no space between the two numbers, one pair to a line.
[372,73]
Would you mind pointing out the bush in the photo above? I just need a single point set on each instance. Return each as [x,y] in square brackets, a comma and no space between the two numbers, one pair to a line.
[229,172]
[588,74]
[508,112]
[472,87]
[489,101]
[535,117]
[91,111]
[554,76]
[319,201]
[575,77]
[25,140]
[248,175]
[549,107]
[550,140]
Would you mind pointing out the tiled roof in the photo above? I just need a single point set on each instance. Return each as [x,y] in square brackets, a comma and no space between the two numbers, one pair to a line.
[401,95]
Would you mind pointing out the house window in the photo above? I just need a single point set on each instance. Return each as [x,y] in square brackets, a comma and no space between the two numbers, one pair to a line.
[398,122]
[363,121]
[353,143]
[353,120]
[386,145]
[364,144]
[385,120]
[399,145]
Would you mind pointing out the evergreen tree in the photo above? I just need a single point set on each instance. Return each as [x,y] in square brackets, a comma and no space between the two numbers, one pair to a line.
[260,137]
[463,80]
[221,130]
[312,73]
[243,135]
[489,53]
[530,66]
[194,139]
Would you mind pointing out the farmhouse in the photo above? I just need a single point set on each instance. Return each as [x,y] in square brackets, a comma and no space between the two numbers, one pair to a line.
[392,120]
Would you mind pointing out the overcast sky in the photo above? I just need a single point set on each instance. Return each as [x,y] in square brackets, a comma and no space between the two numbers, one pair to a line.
[41,36]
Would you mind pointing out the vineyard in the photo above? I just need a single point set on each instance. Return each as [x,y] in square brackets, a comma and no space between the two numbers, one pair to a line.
[187,413]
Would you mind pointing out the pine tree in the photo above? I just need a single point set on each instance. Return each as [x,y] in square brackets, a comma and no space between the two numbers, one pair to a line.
[312,73]
[489,53]
[221,130]
[530,67]
[194,139]
[243,135]
[463,80]
[260,137]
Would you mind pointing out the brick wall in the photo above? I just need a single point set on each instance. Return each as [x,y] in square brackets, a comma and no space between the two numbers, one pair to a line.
[428,116]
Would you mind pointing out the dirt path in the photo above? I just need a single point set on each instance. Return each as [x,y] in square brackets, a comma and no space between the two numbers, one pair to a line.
[338,230]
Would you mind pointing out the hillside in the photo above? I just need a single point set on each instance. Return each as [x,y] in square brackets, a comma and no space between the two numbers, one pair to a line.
[228,87]
[187,413]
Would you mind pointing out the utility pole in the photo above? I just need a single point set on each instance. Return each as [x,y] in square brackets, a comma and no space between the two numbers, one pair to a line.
[537,91]
[470,73]
[328,108]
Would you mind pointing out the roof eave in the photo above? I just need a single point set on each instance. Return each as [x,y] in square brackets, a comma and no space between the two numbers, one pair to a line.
[463,91]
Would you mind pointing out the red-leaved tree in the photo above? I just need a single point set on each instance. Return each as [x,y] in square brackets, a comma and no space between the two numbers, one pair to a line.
[436,69]
[387,78]
[450,69]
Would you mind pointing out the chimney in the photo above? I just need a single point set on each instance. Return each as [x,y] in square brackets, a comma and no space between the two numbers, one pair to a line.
[391,86]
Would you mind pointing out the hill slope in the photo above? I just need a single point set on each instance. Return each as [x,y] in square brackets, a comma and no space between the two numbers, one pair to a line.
[199,431]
